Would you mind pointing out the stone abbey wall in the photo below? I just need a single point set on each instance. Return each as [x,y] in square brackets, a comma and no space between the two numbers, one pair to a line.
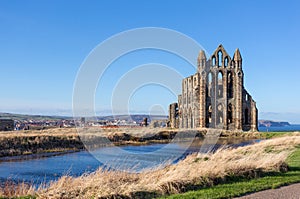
[215,97]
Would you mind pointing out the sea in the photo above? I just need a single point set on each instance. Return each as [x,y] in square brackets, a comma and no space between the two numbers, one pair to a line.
[290,128]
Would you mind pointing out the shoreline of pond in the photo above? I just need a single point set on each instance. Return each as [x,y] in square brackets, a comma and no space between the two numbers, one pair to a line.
[28,145]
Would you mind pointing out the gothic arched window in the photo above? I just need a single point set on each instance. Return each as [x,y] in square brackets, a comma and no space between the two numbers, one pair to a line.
[229,114]
[246,116]
[220,85]
[226,62]
[213,60]
[229,85]
[220,58]
[209,84]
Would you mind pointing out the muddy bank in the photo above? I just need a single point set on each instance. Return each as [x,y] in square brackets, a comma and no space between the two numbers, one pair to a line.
[23,144]
[37,144]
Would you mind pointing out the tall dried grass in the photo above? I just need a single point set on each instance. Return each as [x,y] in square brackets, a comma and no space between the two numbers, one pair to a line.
[12,189]
[194,171]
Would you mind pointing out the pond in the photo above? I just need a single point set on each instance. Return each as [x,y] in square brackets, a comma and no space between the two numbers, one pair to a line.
[131,158]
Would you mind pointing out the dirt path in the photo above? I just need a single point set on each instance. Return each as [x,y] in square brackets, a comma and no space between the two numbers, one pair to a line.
[287,192]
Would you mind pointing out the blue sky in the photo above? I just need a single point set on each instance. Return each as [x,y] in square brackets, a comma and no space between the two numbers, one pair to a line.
[43,44]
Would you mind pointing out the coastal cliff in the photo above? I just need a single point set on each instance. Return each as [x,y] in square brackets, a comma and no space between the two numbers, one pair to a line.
[270,123]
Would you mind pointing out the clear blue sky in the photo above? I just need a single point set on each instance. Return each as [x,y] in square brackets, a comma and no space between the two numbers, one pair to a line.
[43,43]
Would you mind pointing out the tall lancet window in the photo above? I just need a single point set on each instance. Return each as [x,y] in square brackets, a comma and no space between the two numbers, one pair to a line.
[229,85]
[220,58]
[220,85]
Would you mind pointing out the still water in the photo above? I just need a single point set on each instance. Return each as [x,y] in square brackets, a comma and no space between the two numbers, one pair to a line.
[134,158]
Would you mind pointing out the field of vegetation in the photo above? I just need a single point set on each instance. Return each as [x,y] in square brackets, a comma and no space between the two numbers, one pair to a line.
[225,173]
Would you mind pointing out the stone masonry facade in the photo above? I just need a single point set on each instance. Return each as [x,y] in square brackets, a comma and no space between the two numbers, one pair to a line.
[215,97]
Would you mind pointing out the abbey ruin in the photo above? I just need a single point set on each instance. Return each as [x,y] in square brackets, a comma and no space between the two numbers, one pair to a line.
[215,97]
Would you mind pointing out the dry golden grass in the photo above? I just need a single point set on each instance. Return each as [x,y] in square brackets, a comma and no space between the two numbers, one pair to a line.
[12,190]
[46,132]
[138,131]
[195,170]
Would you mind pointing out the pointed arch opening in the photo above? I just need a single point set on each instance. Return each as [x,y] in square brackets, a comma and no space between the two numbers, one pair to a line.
[210,78]
[220,58]
[226,62]
[220,84]
[209,84]
[209,116]
[229,114]
[220,114]
[191,125]
[213,60]
[230,85]
[246,116]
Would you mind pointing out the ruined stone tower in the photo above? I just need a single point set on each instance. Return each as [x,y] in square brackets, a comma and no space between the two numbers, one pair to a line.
[215,97]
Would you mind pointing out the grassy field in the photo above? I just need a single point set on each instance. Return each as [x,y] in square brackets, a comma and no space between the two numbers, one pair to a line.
[269,135]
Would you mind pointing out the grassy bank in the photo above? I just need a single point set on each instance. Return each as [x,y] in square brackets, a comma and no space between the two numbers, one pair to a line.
[36,143]
[242,186]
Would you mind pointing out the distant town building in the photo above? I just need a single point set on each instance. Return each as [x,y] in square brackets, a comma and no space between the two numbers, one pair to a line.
[6,124]
[158,123]
[145,122]
[215,97]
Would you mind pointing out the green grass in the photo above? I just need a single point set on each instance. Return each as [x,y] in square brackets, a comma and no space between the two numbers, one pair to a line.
[294,160]
[244,186]
[269,135]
